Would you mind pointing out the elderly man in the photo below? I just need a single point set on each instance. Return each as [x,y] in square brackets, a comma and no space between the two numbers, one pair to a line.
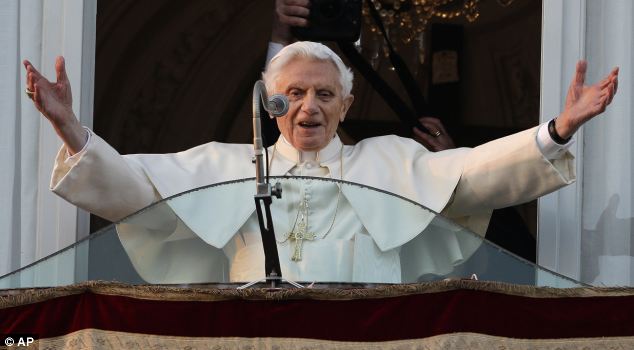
[464,184]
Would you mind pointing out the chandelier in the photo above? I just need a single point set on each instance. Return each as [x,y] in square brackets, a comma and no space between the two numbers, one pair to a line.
[406,21]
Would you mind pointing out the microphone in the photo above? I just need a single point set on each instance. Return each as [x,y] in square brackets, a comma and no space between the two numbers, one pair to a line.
[277,105]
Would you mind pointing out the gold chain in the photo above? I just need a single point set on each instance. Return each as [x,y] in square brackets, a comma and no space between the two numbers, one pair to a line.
[304,204]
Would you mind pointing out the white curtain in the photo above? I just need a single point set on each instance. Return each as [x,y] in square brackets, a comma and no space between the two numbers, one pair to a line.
[9,138]
[585,230]
[33,222]
[607,225]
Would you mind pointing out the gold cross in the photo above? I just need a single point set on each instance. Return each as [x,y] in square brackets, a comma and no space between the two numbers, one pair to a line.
[299,236]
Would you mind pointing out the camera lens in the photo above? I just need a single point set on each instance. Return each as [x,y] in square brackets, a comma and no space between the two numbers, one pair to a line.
[330,9]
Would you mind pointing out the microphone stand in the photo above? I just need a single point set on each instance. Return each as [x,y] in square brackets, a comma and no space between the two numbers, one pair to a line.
[264,197]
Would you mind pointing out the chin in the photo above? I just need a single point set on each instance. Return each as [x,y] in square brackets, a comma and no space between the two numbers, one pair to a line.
[310,145]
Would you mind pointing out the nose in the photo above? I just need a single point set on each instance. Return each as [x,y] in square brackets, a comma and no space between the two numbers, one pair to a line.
[309,103]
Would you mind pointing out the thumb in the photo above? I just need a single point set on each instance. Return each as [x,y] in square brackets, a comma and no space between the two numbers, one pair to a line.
[60,69]
[580,74]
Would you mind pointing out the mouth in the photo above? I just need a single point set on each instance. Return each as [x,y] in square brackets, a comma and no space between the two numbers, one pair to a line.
[309,124]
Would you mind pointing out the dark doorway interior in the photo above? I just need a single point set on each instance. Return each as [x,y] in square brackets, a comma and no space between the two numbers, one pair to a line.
[172,75]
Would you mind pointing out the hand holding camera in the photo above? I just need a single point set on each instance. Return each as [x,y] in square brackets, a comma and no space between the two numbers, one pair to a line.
[316,20]
[289,13]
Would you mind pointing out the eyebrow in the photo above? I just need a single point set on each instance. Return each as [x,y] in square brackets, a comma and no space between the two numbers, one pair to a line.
[298,85]
[294,86]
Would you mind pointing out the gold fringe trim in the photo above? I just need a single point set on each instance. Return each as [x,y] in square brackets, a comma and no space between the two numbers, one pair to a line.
[16,297]
[107,340]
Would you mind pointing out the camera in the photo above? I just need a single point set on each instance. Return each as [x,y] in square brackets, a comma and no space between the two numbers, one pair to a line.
[332,20]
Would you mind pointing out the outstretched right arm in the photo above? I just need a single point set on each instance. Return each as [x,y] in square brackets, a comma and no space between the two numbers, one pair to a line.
[88,172]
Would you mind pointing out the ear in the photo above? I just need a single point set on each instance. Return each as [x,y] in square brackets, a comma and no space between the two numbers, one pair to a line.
[347,102]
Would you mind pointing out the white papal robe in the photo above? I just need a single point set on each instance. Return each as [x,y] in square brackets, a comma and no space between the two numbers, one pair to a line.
[464,184]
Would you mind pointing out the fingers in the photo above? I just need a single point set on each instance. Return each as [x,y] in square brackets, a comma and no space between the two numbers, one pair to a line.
[293,12]
[432,124]
[35,82]
[601,101]
[288,13]
[611,92]
[293,21]
[34,78]
[302,3]
[610,78]
[26,64]
[609,85]
[29,81]
[443,140]
[37,97]
[605,82]
[603,104]
[32,75]
[615,83]
[430,142]
[30,68]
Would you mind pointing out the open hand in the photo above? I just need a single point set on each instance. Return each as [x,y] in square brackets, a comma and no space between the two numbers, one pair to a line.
[55,101]
[584,102]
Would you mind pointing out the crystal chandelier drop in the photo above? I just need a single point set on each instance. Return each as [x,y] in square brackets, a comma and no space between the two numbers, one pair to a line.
[406,21]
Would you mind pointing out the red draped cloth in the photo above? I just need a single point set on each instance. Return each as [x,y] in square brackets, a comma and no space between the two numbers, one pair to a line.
[439,315]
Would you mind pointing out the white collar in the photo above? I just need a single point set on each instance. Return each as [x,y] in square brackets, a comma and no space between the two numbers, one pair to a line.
[328,154]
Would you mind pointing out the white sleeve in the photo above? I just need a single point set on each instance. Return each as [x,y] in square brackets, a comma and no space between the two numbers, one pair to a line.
[100,180]
[508,171]
[549,148]
[274,48]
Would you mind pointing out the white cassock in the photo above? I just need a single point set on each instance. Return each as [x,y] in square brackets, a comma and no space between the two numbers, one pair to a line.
[175,244]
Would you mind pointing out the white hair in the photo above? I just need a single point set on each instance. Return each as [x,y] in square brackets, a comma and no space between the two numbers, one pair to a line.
[307,49]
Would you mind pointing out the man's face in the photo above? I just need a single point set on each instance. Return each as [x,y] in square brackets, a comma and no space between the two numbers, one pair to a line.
[316,103]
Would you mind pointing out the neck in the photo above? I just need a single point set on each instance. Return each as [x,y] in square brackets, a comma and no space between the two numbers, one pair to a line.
[330,153]
[305,156]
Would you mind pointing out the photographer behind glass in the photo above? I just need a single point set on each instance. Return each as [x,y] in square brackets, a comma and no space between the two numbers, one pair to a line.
[340,18]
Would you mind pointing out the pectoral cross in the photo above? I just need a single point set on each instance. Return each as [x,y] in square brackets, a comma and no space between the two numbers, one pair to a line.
[299,236]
